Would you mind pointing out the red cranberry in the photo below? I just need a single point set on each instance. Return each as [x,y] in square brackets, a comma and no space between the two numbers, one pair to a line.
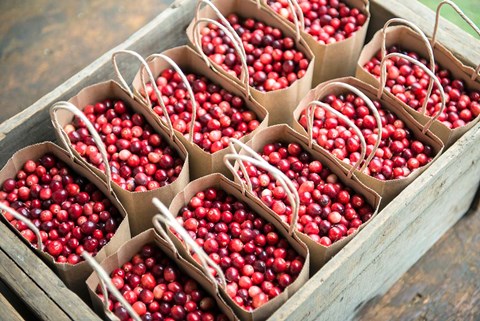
[325,202]
[462,102]
[133,149]
[175,295]
[396,139]
[220,115]
[60,217]
[326,21]
[243,242]
[273,61]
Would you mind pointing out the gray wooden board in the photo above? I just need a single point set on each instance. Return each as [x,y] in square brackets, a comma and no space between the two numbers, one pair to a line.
[166,31]
[7,311]
[33,124]
[386,248]
[394,241]
[33,281]
[418,294]
[43,307]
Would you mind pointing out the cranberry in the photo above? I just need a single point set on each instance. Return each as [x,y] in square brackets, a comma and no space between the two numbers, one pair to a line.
[243,242]
[462,102]
[325,202]
[58,202]
[219,114]
[135,152]
[326,21]
[174,295]
[396,140]
[272,59]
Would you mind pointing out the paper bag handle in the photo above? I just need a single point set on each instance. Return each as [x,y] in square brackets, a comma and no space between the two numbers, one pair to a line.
[291,191]
[286,183]
[310,118]
[252,153]
[223,20]
[297,14]
[416,29]
[96,137]
[425,41]
[244,76]
[433,79]
[107,285]
[125,86]
[185,82]
[25,220]
[464,17]
[476,73]
[160,230]
[167,218]
[370,106]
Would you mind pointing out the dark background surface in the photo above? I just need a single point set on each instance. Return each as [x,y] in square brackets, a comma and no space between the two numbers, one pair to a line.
[44,42]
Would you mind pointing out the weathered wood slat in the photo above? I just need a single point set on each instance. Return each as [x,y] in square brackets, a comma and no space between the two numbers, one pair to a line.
[417,217]
[36,284]
[419,294]
[366,267]
[42,305]
[7,311]
[165,31]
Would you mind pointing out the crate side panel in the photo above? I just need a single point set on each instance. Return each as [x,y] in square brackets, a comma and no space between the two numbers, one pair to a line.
[39,276]
[33,124]
[459,166]
[32,294]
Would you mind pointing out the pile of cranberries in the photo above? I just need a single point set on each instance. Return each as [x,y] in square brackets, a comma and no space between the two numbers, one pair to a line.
[327,21]
[329,210]
[257,261]
[398,154]
[139,158]
[219,114]
[272,59]
[409,83]
[159,290]
[71,213]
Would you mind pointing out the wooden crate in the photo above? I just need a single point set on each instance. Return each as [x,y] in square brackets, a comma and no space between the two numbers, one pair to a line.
[364,269]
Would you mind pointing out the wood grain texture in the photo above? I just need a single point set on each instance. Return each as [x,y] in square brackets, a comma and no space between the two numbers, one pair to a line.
[443,285]
[46,41]
[35,120]
[7,311]
[386,248]
[391,243]
[42,306]
[33,281]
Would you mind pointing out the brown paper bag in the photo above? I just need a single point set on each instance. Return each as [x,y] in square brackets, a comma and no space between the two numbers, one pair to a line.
[282,133]
[138,204]
[74,276]
[202,163]
[279,103]
[337,59]
[390,188]
[221,182]
[413,41]
[131,248]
